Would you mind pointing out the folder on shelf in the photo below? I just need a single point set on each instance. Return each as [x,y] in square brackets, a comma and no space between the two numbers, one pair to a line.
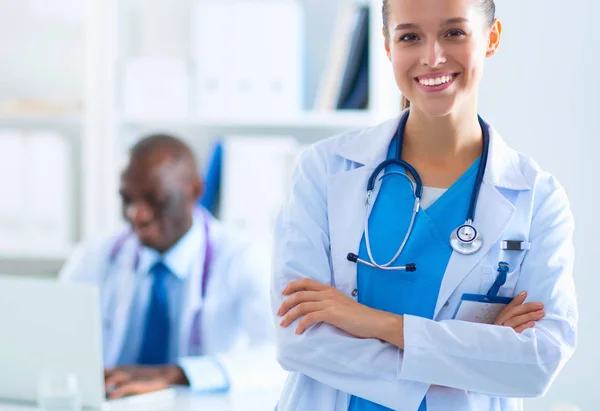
[339,48]
[353,92]
[256,176]
[49,182]
[12,167]
[36,212]
[212,178]
[260,71]
[155,87]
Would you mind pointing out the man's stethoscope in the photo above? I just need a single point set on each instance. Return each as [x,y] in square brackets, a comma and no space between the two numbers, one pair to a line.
[465,239]
[208,256]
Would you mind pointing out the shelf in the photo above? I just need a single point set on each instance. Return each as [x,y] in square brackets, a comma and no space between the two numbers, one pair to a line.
[31,121]
[334,121]
[37,255]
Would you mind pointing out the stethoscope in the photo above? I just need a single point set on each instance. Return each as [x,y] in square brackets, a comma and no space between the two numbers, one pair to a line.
[465,239]
[208,255]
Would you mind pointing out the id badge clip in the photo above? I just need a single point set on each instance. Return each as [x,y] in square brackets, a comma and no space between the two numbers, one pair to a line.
[484,308]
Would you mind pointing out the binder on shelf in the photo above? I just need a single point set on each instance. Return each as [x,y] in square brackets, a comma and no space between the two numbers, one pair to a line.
[49,196]
[155,87]
[358,99]
[12,206]
[353,92]
[331,78]
[37,208]
[255,178]
[256,69]
[212,178]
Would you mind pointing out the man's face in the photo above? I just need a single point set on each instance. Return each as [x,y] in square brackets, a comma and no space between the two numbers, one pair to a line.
[158,200]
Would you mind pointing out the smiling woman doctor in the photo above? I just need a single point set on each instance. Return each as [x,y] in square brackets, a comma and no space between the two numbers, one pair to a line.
[400,300]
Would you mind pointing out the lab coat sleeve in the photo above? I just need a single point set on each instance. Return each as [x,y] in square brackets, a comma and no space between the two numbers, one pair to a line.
[496,360]
[367,368]
[253,364]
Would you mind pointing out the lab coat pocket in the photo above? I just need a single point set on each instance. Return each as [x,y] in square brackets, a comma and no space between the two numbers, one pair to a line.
[489,274]
[508,289]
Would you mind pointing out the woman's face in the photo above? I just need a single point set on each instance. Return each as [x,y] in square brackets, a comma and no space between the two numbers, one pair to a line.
[437,49]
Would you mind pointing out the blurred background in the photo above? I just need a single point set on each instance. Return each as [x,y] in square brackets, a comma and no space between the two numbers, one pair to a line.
[248,84]
[84,80]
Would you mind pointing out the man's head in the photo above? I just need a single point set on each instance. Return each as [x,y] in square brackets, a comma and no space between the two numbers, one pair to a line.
[159,189]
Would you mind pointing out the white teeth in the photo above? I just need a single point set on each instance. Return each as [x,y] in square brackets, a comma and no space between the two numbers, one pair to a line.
[435,81]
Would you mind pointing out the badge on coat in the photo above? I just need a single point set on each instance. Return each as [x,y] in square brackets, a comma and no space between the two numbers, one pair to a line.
[479,308]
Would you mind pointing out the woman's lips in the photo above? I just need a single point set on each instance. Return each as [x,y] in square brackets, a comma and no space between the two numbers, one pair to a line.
[435,83]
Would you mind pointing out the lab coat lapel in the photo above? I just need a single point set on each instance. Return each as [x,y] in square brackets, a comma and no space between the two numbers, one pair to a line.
[120,291]
[190,312]
[346,195]
[492,215]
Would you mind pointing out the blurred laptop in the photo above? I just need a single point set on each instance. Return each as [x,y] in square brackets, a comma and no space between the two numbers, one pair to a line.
[54,328]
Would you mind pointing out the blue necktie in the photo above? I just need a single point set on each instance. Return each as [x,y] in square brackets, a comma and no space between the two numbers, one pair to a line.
[155,345]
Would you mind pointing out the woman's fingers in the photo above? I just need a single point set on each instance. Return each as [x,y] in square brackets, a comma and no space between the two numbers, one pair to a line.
[520,320]
[510,312]
[297,298]
[312,318]
[302,309]
[524,327]
[518,300]
[524,309]
[304,284]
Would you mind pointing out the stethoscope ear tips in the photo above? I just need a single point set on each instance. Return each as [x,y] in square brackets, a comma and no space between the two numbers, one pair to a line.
[411,267]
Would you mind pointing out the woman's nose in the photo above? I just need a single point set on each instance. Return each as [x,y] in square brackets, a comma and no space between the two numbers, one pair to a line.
[433,55]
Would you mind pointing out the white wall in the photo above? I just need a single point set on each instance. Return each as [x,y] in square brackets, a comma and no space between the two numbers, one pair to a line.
[542,92]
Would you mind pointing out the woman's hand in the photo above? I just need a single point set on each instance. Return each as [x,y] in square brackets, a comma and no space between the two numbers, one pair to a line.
[519,316]
[319,303]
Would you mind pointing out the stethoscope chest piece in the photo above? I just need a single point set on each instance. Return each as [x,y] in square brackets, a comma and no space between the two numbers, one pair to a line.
[466,239]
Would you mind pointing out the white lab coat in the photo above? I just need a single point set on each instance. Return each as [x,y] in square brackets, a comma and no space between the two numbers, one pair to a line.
[459,365]
[235,324]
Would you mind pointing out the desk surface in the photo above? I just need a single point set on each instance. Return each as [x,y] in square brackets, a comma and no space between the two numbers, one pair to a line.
[185,400]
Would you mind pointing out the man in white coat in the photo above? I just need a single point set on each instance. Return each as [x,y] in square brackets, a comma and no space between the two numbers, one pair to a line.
[184,302]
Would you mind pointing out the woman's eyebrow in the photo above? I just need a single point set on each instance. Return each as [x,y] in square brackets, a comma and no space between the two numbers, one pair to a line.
[412,26]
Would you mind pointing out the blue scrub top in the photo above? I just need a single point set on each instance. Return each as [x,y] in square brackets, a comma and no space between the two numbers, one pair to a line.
[401,292]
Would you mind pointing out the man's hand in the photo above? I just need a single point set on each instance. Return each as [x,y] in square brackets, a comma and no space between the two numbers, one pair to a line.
[520,316]
[123,381]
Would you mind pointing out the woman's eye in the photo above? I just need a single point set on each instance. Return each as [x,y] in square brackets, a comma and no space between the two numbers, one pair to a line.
[455,33]
[408,37]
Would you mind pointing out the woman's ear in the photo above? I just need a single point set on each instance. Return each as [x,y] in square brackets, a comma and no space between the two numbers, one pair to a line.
[494,39]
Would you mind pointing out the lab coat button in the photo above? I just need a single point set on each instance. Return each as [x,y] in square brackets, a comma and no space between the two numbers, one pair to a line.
[447,303]
[354,292]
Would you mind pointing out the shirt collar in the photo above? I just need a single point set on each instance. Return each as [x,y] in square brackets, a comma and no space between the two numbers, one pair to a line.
[369,147]
[182,256]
